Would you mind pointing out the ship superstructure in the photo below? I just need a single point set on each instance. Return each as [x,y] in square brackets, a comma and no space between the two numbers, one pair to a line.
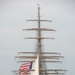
[39,57]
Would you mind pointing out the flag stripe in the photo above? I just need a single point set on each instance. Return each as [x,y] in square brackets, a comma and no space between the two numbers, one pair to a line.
[24,68]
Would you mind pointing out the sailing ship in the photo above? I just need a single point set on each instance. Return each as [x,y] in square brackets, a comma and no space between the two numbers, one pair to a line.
[39,57]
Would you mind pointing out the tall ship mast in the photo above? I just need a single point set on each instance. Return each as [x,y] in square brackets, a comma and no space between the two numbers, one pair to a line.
[38,58]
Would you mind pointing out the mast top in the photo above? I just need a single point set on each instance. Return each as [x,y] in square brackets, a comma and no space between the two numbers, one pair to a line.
[38,5]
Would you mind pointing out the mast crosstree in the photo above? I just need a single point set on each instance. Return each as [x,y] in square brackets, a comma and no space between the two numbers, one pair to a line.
[39,56]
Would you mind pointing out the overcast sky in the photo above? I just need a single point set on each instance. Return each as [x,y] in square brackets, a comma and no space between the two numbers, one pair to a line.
[13,16]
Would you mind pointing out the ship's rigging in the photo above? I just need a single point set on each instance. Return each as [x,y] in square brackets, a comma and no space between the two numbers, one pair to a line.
[39,56]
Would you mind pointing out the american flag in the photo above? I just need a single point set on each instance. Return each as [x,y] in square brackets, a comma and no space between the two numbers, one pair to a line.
[25,68]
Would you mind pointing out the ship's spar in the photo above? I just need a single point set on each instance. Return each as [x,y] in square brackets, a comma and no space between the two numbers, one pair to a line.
[40,59]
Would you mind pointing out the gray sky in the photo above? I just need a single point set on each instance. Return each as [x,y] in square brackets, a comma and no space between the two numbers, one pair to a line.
[13,16]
